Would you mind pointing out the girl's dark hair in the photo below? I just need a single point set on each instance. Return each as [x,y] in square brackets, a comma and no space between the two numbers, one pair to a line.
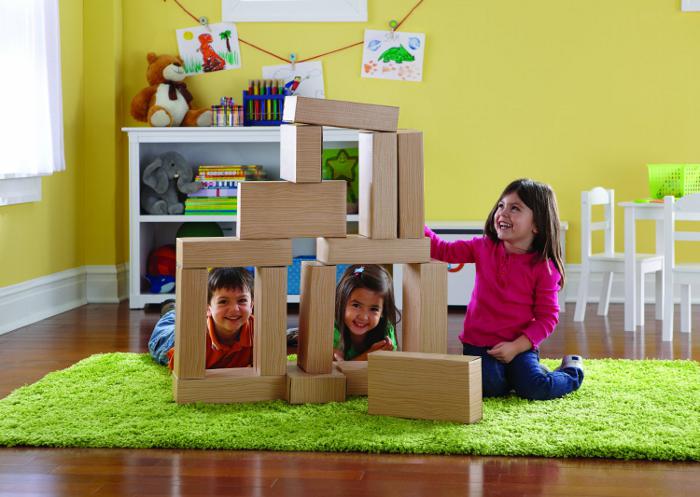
[232,278]
[377,279]
[540,198]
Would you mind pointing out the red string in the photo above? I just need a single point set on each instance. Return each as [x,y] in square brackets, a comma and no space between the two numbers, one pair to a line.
[308,58]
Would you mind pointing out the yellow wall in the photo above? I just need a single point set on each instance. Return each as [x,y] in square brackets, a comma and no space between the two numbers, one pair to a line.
[572,93]
[46,237]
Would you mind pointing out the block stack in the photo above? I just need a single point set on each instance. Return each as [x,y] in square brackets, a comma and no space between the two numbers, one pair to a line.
[391,220]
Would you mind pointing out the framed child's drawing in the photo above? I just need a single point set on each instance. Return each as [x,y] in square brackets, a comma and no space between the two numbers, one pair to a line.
[294,10]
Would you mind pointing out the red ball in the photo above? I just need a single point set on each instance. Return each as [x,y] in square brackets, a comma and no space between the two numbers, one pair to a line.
[161,261]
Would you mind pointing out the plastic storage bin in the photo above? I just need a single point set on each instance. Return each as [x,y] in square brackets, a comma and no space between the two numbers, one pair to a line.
[294,273]
[673,179]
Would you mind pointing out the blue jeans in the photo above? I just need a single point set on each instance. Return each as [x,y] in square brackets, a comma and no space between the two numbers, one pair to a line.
[163,338]
[523,375]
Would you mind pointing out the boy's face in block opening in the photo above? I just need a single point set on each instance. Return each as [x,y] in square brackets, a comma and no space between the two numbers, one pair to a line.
[514,224]
[230,309]
[363,311]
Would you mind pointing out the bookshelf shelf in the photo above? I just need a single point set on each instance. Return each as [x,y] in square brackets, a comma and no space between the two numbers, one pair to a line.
[213,145]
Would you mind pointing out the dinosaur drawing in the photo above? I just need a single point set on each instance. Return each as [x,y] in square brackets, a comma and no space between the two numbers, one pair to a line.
[396,54]
[211,61]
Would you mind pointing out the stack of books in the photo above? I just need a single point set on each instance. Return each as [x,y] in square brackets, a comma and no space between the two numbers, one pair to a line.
[219,193]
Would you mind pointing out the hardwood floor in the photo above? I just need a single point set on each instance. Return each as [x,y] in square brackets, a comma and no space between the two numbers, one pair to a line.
[28,354]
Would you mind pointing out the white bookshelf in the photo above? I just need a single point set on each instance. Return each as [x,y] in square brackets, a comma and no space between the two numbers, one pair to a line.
[244,145]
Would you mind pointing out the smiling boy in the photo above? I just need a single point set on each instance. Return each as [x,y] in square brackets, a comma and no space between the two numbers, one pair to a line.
[229,333]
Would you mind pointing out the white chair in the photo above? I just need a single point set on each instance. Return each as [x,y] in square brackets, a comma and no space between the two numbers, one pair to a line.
[609,262]
[682,274]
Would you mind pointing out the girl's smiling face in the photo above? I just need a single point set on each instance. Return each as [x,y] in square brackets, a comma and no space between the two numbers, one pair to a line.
[363,311]
[514,224]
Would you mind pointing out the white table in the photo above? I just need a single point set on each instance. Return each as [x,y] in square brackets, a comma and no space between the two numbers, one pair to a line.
[635,211]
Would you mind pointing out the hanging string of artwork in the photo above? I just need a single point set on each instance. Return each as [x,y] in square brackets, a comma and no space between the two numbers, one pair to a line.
[390,54]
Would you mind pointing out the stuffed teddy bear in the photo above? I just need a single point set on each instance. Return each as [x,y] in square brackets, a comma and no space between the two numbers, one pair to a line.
[166,102]
[166,182]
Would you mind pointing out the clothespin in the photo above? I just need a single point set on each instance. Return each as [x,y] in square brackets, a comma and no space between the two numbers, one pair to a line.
[392,26]
[293,60]
[205,22]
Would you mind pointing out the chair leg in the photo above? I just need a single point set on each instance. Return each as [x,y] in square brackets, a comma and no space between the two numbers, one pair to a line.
[685,309]
[639,298]
[667,323]
[604,302]
[659,290]
[580,311]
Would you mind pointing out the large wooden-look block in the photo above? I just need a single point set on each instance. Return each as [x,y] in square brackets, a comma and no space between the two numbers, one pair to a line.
[411,211]
[357,249]
[229,385]
[355,376]
[190,323]
[270,337]
[425,307]
[307,388]
[340,114]
[301,146]
[377,185]
[230,251]
[279,209]
[425,386]
[316,316]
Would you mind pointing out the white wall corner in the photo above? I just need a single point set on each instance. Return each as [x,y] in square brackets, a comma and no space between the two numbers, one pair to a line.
[33,300]
[107,284]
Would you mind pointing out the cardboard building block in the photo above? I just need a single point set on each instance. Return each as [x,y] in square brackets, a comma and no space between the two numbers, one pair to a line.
[355,376]
[411,211]
[270,328]
[230,251]
[307,388]
[190,322]
[378,185]
[425,386]
[340,114]
[425,307]
[301,146]
[228,386]
[316,316]
[357,249]
[279,209]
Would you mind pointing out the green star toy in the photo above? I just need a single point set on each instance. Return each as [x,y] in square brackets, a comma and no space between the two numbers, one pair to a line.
[342,164]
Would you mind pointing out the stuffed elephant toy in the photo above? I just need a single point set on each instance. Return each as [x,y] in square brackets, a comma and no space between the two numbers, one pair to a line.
[166,182]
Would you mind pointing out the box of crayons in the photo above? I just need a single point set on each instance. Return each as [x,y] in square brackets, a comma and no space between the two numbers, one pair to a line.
[227,113]
[263,102]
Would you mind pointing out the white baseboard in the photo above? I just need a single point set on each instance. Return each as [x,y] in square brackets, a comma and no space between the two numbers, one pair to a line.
[33,300]
[617,296]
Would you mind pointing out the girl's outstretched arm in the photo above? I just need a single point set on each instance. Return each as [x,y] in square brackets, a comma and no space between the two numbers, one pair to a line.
[456,251]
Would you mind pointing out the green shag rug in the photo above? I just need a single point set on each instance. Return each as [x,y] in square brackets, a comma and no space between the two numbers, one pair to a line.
[625,409]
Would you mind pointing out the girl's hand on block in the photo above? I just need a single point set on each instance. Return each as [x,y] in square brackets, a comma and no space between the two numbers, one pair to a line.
[504,352]
[382,345]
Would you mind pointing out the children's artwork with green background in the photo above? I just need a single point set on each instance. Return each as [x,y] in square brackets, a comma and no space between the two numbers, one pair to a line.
[341,163]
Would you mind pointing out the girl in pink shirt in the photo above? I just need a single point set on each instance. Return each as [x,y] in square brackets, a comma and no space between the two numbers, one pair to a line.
[514,306]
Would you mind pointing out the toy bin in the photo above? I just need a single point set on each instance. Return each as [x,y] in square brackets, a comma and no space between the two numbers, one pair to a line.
[673,179]
[294,273]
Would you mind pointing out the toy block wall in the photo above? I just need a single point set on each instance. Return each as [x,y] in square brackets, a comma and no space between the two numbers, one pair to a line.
[270,335]
[355,376]
[316,317]
[377,185]
[280,209]
[351,115]
[190,340]
[425,307]
[306,388]
[301,147]
[229,386]
[411,214]
[425,386]
[357,249]
[196,252]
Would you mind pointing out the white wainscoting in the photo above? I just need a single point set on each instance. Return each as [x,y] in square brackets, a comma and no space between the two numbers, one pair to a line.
[26,303]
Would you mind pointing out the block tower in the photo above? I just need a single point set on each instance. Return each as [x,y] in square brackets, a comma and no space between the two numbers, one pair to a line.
[420,382]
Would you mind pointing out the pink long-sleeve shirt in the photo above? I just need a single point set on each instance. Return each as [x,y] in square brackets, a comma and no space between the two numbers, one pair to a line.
[513,295]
